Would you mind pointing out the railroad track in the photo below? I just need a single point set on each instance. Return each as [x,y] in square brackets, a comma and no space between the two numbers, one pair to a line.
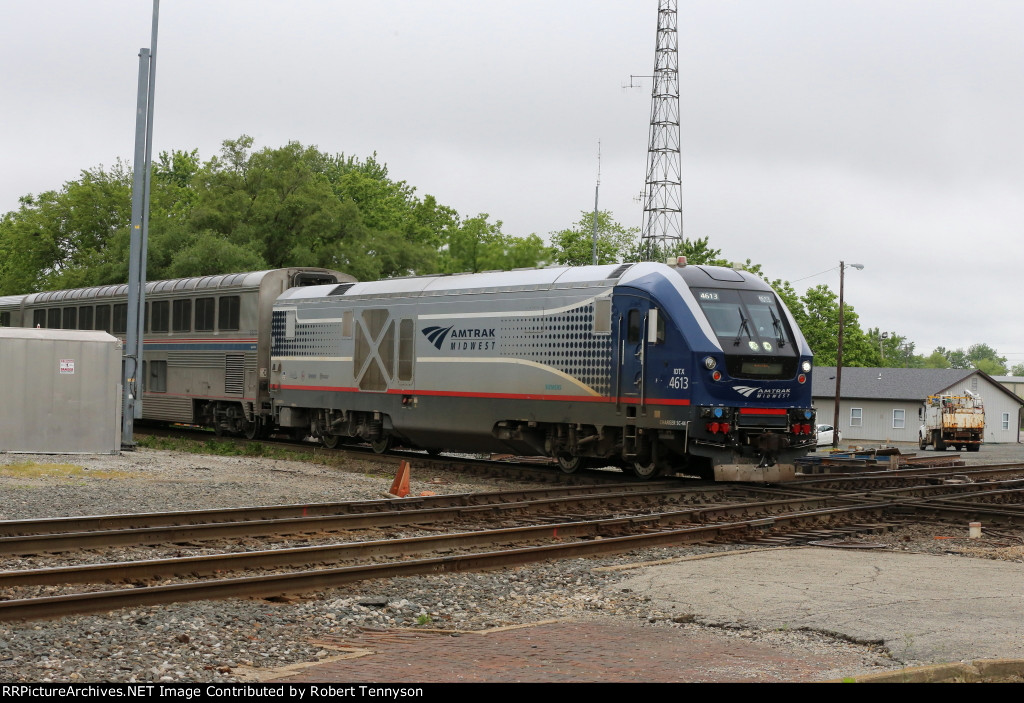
[557,540]
[556,523]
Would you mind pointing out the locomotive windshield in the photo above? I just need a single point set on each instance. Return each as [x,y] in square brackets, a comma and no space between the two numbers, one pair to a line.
[752,330]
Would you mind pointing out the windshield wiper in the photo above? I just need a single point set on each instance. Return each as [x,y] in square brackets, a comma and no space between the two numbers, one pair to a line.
[777,324]
[743,326]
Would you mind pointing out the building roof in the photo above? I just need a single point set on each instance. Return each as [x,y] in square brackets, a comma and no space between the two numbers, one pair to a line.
[894,384]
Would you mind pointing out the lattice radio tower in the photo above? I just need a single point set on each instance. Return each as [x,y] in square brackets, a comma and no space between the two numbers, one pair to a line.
[663,193]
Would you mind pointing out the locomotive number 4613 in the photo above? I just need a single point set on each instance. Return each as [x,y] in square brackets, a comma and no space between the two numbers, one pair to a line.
[679,383]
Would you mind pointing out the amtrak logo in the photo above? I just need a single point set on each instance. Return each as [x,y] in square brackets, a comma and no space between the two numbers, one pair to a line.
[461,339]
[762,393]
[436,335]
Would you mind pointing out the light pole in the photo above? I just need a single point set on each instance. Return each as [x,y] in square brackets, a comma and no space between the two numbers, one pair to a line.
[839,351]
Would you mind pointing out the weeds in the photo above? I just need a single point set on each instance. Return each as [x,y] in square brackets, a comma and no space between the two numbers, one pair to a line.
[34,469]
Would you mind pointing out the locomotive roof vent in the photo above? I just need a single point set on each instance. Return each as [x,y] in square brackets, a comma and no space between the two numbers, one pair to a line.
[340,290]
[619,271]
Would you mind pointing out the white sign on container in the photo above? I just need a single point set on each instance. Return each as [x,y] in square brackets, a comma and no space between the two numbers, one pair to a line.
[67,366]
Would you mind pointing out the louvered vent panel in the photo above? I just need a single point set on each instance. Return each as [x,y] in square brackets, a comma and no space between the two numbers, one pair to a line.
[234,374]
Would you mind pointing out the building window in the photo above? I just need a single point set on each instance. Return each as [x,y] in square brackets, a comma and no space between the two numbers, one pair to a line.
[899,419]
[182,316]
[70,319]
[39,318]
[1006,421]
[5,319]
[856,417]
[204,314]
[53,318]
[974,383]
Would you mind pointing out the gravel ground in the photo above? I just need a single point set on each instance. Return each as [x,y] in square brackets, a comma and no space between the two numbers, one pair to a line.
[246,640]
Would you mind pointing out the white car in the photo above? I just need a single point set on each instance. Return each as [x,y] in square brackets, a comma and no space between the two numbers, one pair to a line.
[825,435]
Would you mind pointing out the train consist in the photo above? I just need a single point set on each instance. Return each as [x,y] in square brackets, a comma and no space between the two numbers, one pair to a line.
[646,366]
[650,367]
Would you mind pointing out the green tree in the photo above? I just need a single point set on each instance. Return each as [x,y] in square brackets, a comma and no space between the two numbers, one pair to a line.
[894,350]
[936,360]
[987,359]
[479,245]
[820,326]
[697,252]
[574,246]
[1017,370]
[53,239]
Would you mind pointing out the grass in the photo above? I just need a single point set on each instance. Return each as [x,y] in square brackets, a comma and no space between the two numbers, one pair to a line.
[33,469]
[220,447]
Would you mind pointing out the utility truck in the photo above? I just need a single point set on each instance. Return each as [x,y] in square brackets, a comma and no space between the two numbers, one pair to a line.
[953,421]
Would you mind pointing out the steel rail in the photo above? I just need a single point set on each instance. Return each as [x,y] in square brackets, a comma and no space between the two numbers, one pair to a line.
[296,582]
[212,563]
[37,526]
[71,541]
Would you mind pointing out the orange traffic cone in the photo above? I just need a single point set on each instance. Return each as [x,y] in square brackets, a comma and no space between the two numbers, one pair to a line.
[400,487]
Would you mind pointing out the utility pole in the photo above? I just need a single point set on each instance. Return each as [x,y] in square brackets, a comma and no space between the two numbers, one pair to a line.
[663,192]
[131,374]
[839,349]
[597,190]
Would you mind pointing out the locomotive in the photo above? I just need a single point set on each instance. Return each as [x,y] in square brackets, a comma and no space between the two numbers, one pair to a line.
[650,367]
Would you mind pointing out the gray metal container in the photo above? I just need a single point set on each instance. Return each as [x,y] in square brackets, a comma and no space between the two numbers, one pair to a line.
[61,391]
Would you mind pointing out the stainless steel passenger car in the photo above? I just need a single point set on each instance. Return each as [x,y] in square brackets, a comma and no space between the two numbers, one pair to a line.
[206,352]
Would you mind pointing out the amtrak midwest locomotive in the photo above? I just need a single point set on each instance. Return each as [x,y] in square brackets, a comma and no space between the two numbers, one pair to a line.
[654,368]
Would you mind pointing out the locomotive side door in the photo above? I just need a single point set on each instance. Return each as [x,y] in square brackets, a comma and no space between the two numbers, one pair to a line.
[632,317]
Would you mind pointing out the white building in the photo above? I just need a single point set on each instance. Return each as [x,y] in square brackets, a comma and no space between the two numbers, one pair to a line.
[882,404]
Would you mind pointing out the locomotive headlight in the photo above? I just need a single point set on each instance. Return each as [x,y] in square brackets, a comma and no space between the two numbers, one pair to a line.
[806,366]
[709,362]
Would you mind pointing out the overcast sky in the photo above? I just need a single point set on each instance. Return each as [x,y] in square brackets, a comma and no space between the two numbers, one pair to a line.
[881,132]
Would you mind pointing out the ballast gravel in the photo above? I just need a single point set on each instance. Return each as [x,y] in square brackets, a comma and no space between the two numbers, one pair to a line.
[249,640]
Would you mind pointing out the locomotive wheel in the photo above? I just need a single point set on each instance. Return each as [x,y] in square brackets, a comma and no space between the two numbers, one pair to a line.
[974,447]
[922,443]
[381,445]
[570,464]
[645,471]
[252,429]
[330,441]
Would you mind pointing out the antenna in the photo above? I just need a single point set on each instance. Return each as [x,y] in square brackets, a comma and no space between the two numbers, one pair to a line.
[663,192]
